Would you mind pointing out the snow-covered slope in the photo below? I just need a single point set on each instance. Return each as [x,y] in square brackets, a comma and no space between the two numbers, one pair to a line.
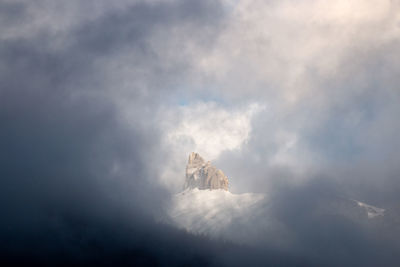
[207,207]
[259,219]
[372,211]
[212,211]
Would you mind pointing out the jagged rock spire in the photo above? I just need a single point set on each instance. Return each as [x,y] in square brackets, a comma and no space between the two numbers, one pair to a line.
[203,175]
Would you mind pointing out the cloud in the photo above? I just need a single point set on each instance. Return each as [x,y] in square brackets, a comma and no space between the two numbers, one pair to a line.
[326,72]
[213,129]
[97,108]
[76,183]
[207,128]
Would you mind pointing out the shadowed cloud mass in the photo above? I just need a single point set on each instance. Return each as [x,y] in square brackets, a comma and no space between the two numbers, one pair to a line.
[100,104]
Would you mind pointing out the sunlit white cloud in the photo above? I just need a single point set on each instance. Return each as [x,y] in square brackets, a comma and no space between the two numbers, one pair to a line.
[211,129]
[207,128]
[326,71]
[286,48]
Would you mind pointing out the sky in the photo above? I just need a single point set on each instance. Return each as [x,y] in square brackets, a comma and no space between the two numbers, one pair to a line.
[101,103]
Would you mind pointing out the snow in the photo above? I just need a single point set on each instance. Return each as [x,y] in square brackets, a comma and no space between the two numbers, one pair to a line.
[211,211]
[241,218]
[372,211]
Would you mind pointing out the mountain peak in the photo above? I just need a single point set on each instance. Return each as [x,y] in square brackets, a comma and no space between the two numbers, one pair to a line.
[195,158]
[203,175]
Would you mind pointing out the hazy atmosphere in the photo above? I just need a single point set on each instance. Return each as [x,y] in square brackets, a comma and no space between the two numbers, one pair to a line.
[297,102]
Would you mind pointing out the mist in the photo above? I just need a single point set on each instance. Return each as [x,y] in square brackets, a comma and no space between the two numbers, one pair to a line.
[101,103]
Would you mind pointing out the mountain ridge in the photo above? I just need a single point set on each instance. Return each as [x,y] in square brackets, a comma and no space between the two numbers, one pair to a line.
[203,175]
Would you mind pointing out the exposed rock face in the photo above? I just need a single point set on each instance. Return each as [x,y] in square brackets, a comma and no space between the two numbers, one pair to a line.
[203,175]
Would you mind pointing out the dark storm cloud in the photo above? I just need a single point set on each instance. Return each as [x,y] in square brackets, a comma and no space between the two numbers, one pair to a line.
[11,12]
[331,230]
[77,183]
[74,180]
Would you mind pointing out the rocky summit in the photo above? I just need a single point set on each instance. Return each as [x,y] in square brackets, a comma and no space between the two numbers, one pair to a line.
[203,175]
